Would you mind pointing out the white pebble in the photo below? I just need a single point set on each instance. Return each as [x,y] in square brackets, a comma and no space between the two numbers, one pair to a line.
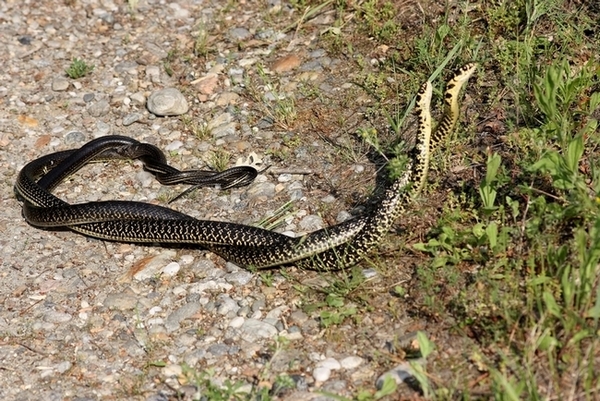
[321,373]
[171,269]
[329,363]
[237,322]
[351,362]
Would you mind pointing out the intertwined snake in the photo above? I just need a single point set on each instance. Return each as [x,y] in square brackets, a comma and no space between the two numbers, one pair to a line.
[329,248]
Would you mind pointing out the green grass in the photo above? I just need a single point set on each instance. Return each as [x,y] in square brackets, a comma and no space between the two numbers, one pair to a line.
[513,256]
[78,69]
[509,259]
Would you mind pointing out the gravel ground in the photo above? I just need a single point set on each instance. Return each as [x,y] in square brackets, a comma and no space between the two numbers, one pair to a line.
[82,319]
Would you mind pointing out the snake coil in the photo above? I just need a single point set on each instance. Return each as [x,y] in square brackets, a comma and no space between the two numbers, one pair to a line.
[329,248]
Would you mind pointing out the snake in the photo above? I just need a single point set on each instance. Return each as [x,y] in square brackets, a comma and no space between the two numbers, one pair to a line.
[330,248]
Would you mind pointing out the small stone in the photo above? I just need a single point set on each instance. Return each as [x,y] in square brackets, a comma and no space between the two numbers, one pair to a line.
[329,363]
[173,146]
[99,109]
[312,222]
[120,301]
[60,84]
[57,317]
[284,178]
[63,366]
[207,84]
[74,137]
[238,34]
[321,373]
[239,278]
[152,266]
[369,273]
[351,362]
[171,269]
[167,102]
[138,99]
[131,118]
[343,216]
[102,129]
[182,313]
[227,98]
[172,370]
[226,305]
[88,97]
[224,130]
[218,349]
[145,178]
[237,322]
[253,330]
[286,63]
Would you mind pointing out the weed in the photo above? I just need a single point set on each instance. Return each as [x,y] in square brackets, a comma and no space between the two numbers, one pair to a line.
[219,160]
[78,69]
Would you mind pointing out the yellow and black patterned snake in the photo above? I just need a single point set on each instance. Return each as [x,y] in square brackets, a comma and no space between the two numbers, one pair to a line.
[329,248]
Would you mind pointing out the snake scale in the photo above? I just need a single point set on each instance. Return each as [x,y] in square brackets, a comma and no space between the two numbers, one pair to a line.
[330,248]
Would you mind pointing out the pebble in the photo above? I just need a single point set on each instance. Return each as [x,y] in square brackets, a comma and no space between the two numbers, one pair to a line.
[57,317]
[351,362]
[131,118]
[171,269]
[311,223]
[138,99]
[99,109]
[167,102]
[183,312]
[88,97]
[239,34]
[120,301]
[226,306]
[224,130]
[60,84]
[63,366]
[239,278]
[101,129]
[237,322]
[253,330]
[286,63]
[154,265]
[175,145]
[74,137]
[342,216]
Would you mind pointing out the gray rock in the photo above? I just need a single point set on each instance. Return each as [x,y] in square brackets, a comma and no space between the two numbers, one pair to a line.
[312,222]
[224,130]
[88,97]
[226,305]
[351,362]
[60,84]
[131,118]
[74,137]
[239,278]
[167,102]
[99,109]
[101,129]
[218,349]
[185,311]
[239,34]
[253,330]
[120,301]
[57,317]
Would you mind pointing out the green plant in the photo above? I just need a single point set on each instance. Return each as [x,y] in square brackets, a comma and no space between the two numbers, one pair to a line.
[219,160]
[78,68]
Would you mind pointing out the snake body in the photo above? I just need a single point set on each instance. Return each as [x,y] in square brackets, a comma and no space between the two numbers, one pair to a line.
[329,248]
